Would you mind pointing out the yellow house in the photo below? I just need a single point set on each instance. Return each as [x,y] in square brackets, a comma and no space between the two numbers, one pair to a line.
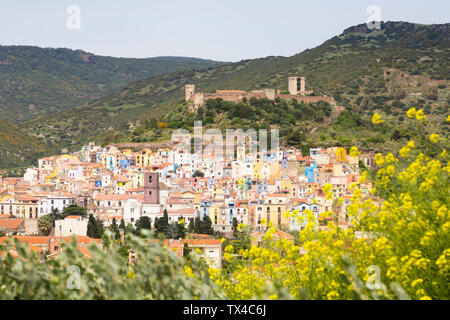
[215,214]
[257,170]
[21,206]
[103,159]
[144,158]
[286,185]
[274,209]
[274,171]
[341,154]
[337,170]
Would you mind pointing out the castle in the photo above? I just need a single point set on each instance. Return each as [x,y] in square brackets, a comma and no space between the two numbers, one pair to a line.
[296,86]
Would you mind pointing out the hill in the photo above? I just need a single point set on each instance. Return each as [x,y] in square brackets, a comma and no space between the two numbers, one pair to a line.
[36,81]
[18,149]
[366,71]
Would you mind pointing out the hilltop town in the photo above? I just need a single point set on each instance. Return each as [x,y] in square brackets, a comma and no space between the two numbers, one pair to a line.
[125,185]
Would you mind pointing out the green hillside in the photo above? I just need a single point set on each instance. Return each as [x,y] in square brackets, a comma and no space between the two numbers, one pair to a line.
[387,70]
[18,149]
[36,81]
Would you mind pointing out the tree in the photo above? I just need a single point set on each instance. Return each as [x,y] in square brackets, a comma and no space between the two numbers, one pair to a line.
[206,226]
[129,229]
[115,229]
[191,225]
[122,225]
[93,228]
[74,210]
[162,224]
[171,231]
[198,173]
[235,227]
[197,225]
[56,215]
[186,251]
[181,229]
[243,238]
[45,224]
[143,222]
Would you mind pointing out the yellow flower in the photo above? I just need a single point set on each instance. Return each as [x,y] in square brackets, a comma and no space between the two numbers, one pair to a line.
[390,158]
[390,170]
[416,282]
[131,275]
[420,115]
[332,295]
[404,152]
[222,240]
[425,298]
[379,160]
[376,119]
[448,118]
[188,271]
[411,113]
[411,144]
[181,221]
[434,138]
[327,188]
[354,152]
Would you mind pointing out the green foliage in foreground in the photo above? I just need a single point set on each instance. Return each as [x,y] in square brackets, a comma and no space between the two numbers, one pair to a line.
[157,274]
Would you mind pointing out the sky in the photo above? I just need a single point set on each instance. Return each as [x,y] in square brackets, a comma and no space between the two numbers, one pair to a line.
[225,30]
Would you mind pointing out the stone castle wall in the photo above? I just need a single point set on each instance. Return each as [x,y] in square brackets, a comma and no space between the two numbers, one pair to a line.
[197,99]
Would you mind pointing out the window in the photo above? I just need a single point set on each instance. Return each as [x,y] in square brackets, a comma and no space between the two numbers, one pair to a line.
[150,179]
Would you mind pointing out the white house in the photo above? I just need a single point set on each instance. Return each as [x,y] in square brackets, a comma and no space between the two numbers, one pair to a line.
[51,202]
[71,225]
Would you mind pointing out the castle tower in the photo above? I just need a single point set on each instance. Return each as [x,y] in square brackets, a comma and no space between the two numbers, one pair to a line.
[302,85]
[297,85]
[190,92]
[151,188]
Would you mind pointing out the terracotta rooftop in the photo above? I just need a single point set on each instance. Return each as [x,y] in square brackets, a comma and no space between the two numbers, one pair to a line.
[10,223]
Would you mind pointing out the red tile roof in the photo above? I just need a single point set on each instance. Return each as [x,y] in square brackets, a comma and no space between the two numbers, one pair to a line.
[10,223]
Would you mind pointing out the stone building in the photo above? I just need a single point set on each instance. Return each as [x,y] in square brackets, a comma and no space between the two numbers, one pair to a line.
[296,86]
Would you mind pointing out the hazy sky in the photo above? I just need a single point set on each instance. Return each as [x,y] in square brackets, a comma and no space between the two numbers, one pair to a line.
[227,30]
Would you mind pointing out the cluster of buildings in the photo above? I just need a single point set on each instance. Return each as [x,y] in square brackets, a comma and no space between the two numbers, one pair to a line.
[127,184]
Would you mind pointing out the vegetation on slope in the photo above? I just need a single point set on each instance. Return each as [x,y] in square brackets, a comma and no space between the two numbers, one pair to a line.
[366,71]
[18,149]
[37,81]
